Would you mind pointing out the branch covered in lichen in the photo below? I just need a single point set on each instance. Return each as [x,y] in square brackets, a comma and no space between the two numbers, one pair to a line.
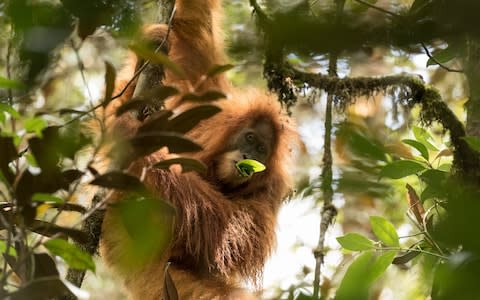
[411,90]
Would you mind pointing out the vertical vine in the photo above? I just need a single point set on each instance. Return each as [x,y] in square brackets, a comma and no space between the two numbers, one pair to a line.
[328,210]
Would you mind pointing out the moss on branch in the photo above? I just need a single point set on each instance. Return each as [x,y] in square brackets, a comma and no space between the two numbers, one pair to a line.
[410,91]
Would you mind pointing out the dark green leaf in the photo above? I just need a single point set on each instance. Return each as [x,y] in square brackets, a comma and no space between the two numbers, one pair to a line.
[71,254]
[401,168]
[205,97]
[218,69]
[44,265]
[65,111]
[118,180]
[43,288]
[190,118]
[355,242]
[405,258]
[148,98]
[157,122]
[419,147]
[364,146]
[110,75]
[384,231]
[187,164]
[443,56]
[50,229]
[158,93]
[147,143]
[473,142]
[70,176]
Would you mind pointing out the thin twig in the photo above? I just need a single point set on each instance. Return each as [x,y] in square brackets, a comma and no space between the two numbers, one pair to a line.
[412,249]
[437,62]
[81,68]
[379,9]
[131,81]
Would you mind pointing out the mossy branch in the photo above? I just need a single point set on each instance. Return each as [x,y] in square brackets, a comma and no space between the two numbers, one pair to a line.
[411,90]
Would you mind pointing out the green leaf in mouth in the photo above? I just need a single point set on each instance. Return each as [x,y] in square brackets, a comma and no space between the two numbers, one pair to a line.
[248,167]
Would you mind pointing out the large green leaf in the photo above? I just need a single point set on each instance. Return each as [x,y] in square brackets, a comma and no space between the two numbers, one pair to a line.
[71,254]
[443,56]
[423,137]
[355,242]
[158,58]
[384,231]
[401,168]
[362,273]
[148,222]
[419,147]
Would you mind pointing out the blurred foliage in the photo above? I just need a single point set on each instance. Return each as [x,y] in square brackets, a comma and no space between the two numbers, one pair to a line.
[55,56]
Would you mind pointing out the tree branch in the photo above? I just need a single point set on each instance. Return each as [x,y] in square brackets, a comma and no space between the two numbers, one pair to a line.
[412,91]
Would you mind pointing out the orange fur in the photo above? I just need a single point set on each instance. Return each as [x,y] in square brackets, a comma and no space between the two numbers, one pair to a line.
[222,237]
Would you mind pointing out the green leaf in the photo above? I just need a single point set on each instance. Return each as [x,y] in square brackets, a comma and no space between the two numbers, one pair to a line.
[35,125]
[158,58]
[248,167]
[10,110]
[11,249]
[156,122]
[381,264]
[423,137]
[50,229]
[6,83]
[361,145]
[187,164]
[218,69]
[384,231]
[187,120]
[362,273]
[401,168]
[205,97]
[405,258]
[146,143]
[118,180]
[148,223]
[419,147]
[71,254]
[442,56]
[355,242]
[42,197]
[473,142]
